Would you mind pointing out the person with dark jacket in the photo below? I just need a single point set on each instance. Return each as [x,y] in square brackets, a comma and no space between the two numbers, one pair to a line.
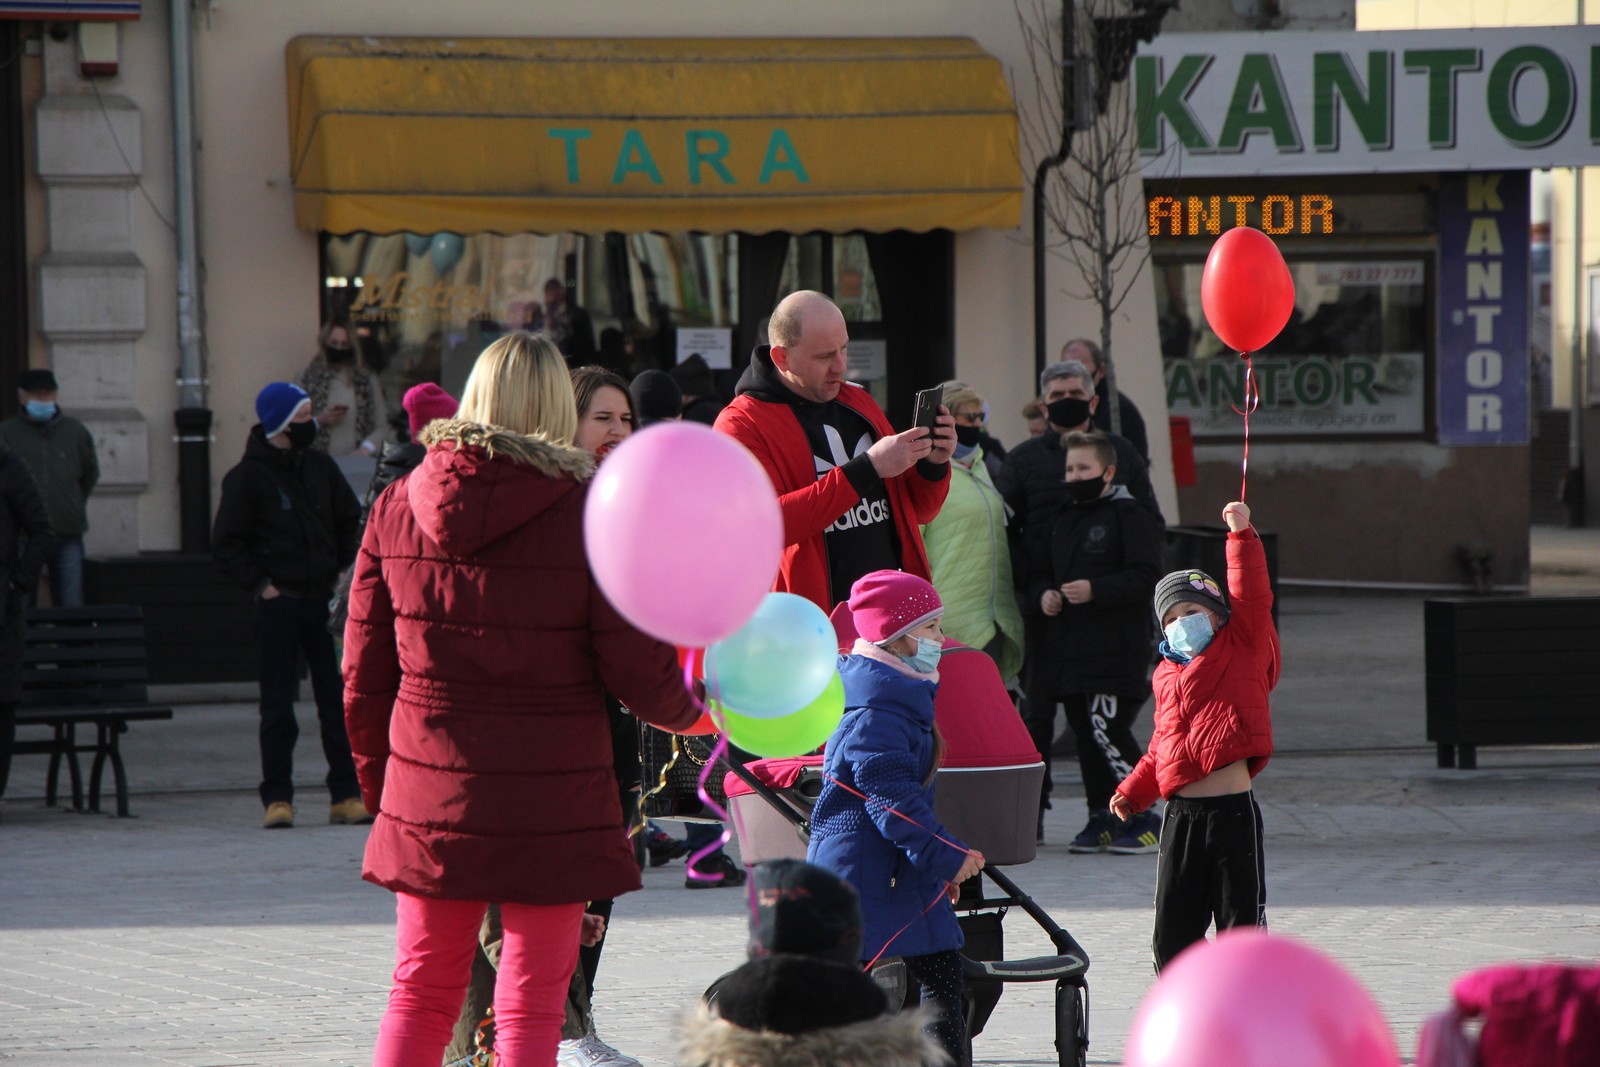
[803,1000]
[700,402]
[60,454]
[1085,351]
[1031,482]
[26,541]
[287,525]
[853,492]
[1094,588]
[477,656]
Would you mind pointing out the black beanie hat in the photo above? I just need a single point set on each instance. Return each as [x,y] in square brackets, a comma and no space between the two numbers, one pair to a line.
[693,375]
[804,910]
[36,381]
[1195,586]
[656,397]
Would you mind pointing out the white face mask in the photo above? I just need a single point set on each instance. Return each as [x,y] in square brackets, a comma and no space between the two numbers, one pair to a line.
[1188,636]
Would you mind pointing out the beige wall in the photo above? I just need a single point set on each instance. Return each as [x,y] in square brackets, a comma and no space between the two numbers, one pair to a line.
[260,276]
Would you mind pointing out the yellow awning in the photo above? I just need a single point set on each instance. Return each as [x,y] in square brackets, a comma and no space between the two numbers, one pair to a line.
[593,135]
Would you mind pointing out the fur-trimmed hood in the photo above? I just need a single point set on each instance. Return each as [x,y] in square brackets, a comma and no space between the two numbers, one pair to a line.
[548,457]
[896,1040]
[479,482]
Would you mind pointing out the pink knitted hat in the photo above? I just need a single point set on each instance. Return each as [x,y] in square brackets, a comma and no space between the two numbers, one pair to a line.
[890,604]
[426,402]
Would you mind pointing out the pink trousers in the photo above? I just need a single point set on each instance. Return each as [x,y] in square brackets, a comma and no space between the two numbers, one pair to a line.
[434,944]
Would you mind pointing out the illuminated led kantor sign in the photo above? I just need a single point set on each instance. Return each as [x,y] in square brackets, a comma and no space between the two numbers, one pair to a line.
[1171,216]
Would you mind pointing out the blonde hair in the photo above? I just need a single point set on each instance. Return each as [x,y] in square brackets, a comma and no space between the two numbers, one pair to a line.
[520,383]
[960,395]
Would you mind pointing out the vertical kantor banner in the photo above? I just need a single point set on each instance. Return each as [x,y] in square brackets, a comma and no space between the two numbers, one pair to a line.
[1482,364]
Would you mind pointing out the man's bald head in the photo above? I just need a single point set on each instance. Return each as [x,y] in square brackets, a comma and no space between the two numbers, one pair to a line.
[790,317]
[809,336]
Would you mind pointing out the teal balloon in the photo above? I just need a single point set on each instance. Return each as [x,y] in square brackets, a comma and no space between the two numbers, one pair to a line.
[418,243]
[789,735]
[777,662]
[446,251]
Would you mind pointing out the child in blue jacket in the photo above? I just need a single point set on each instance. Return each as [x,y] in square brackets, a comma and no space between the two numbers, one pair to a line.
[874,824]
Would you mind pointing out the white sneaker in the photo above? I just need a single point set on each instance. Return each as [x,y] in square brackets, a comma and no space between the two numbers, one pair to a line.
[590,1051]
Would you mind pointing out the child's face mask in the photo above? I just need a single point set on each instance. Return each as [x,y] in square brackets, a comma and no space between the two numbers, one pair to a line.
[925,659]
[1190,634]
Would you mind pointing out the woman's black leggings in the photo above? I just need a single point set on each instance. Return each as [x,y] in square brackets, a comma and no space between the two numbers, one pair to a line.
[938,974]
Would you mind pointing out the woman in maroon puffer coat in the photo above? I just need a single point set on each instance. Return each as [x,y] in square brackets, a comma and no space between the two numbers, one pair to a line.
[476,653]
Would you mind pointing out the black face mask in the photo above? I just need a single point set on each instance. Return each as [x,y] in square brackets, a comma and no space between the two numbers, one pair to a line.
[968,435]
[338,356]
[1086,490]
[301,434]
[1068,413]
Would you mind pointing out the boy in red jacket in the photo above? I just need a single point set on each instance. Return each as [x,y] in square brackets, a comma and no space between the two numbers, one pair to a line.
[1213,734]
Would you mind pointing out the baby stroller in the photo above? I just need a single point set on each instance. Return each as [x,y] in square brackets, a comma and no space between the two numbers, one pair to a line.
[988,796]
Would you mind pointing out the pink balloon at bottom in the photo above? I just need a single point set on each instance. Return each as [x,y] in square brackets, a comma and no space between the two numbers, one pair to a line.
[1251,999]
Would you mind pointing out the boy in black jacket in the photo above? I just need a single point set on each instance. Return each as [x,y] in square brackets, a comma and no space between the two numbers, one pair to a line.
[287,525]
[1094,587]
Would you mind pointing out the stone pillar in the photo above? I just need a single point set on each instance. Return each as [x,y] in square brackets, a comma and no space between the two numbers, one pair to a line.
[91,285]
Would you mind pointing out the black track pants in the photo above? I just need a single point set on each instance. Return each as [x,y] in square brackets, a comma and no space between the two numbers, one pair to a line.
[1211,866]
[1107,749]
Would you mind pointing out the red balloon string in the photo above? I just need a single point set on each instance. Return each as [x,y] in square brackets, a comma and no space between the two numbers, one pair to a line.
[1252,400]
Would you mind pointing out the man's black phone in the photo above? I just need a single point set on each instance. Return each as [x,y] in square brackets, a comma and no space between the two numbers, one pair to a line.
[927,411]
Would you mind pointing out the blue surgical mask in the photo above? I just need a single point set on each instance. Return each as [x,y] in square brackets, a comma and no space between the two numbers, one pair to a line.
[926,659]
[1190,635]
[41,410]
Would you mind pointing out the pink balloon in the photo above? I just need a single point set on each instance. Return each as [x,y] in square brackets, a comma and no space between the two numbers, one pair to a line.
[684,532]
[1251,999]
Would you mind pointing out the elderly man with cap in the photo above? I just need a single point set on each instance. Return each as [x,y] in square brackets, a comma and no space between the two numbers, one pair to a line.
[59,452]
[287,525]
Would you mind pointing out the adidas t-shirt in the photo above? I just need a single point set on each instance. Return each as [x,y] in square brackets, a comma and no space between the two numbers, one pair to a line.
[863,539]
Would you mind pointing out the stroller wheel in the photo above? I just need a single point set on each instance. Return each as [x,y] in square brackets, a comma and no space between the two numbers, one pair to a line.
[1072,1026]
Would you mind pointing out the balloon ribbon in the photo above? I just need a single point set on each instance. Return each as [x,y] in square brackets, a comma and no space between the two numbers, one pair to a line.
[719,750]
[1252,400]
[899,814]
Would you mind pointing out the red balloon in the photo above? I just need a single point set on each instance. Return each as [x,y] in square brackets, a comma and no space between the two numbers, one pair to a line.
[1246,290]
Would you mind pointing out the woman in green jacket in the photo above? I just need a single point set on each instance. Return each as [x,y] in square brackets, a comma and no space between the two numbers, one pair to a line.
[967,546]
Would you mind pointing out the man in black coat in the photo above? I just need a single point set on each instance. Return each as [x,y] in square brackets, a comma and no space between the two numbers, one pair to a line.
[1088,353]
[287,526]
[1032,481]
[26,541]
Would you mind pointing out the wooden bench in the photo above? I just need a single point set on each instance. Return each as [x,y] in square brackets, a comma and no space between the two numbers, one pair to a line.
[1511,671]
[84,667]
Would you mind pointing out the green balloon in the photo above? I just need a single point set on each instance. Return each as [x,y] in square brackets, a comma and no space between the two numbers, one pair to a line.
[795,734]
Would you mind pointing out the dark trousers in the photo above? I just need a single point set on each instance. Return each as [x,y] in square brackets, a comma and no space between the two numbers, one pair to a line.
[1212,866]
[286,626]
[1107,750]
[938,976]
[1038,695]
[8,741]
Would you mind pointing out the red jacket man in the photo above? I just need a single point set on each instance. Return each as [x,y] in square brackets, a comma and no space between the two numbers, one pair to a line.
[853,491]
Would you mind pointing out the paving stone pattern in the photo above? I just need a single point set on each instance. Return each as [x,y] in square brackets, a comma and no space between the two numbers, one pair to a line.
[187,936]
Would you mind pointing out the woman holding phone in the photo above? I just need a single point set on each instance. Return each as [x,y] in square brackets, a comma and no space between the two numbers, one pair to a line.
[346,397]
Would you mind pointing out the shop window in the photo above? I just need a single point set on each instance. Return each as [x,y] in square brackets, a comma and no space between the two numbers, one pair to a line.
[839,265]
[1353,359]
[424,306]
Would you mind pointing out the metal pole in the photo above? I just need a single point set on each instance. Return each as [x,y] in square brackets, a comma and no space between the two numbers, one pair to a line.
[1575,501]
[193,418]
[1041,174]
